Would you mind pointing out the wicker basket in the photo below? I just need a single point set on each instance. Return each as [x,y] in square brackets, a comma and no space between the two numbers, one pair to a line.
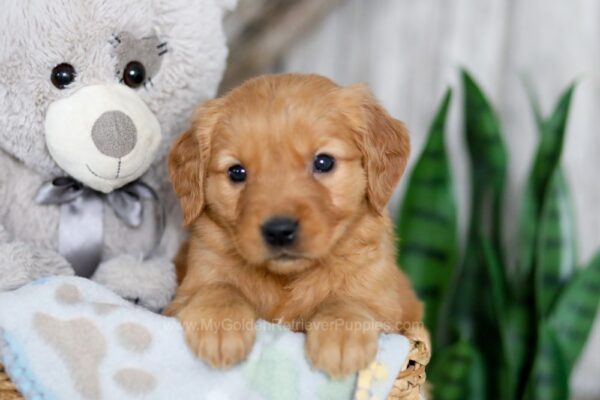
[409,385]
[7,389]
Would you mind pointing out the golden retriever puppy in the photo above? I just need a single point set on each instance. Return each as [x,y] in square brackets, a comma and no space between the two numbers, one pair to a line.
[284,183]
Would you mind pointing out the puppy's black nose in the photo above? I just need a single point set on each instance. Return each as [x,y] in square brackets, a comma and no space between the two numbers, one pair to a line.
[280,231]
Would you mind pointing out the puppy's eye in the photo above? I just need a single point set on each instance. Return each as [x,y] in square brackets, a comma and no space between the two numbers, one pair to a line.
[237,173]
[62,75]
[323,163]
[134,74]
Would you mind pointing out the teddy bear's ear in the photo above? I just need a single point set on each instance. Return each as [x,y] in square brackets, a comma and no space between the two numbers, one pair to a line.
[227,5]
[8,19]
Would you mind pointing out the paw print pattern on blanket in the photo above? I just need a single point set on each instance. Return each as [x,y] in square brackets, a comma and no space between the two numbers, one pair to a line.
[135,381]
[134,337]
[71,339]
[67,294]
[68,339]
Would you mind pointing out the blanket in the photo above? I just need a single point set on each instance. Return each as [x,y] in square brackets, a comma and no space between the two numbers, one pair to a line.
[69,338]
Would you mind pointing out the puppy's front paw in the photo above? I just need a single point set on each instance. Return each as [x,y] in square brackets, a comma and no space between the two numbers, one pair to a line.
[222,338]
[340,347]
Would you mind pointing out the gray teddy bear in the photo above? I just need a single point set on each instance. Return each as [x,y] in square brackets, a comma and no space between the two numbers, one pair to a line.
[91,94]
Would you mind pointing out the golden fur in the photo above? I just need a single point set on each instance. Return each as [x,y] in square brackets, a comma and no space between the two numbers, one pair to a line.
[340,278]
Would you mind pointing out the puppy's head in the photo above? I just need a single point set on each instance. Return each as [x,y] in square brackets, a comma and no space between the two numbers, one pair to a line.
[285,164]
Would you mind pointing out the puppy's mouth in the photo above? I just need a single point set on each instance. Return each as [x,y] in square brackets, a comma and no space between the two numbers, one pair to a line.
[284,256]
[286,263]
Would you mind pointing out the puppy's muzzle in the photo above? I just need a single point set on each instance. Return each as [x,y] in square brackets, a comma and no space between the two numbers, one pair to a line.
[280,231]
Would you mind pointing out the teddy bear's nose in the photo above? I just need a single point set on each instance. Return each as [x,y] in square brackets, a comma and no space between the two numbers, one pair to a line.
[114,134]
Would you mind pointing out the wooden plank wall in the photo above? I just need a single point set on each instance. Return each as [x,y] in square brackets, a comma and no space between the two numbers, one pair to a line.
[409,51]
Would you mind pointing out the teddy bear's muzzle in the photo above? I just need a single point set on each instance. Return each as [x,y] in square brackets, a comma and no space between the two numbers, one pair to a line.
[114,134]
[102,135]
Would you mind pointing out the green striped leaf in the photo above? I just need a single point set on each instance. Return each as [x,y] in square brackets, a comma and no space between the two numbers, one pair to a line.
[458,374]
[546,161]
[521,335]
[549,378]
[497,284]
[487,153]
[426,224]
[471,301]
[555,253]
[505,369]
[575,311]
[533,102]
[472,315]
[522,325]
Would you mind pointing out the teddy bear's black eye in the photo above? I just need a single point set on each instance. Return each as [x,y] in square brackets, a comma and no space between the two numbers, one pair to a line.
[323,163]
[134,74]
[62,75]
[237,173]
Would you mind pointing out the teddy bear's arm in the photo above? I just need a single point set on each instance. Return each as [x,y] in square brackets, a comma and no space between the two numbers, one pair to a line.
[151,281]
[21,262]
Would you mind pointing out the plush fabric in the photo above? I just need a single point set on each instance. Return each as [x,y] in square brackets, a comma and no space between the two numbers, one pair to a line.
[68,338]
[119,146]
[182,45]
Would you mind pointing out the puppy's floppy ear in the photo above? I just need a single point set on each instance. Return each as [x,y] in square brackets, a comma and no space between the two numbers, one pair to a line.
[385,146]
[185,169]
[188,161]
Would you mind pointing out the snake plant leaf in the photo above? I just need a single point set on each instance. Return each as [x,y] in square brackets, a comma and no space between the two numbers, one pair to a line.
[488,157]
[521,334]
[546,161]
[549,378]
[472,314]
[498,291]
[458,373]
[471,302]
[555,252]
[427,225]
[573,316]
[522,319]
[534,102]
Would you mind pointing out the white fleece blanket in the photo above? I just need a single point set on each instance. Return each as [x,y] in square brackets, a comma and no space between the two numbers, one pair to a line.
[69,338]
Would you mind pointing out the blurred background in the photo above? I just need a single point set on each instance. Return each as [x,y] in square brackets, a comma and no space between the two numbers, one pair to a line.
[410,51]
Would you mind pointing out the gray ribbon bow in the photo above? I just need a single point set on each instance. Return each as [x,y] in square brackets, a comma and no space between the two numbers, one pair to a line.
[81,228]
